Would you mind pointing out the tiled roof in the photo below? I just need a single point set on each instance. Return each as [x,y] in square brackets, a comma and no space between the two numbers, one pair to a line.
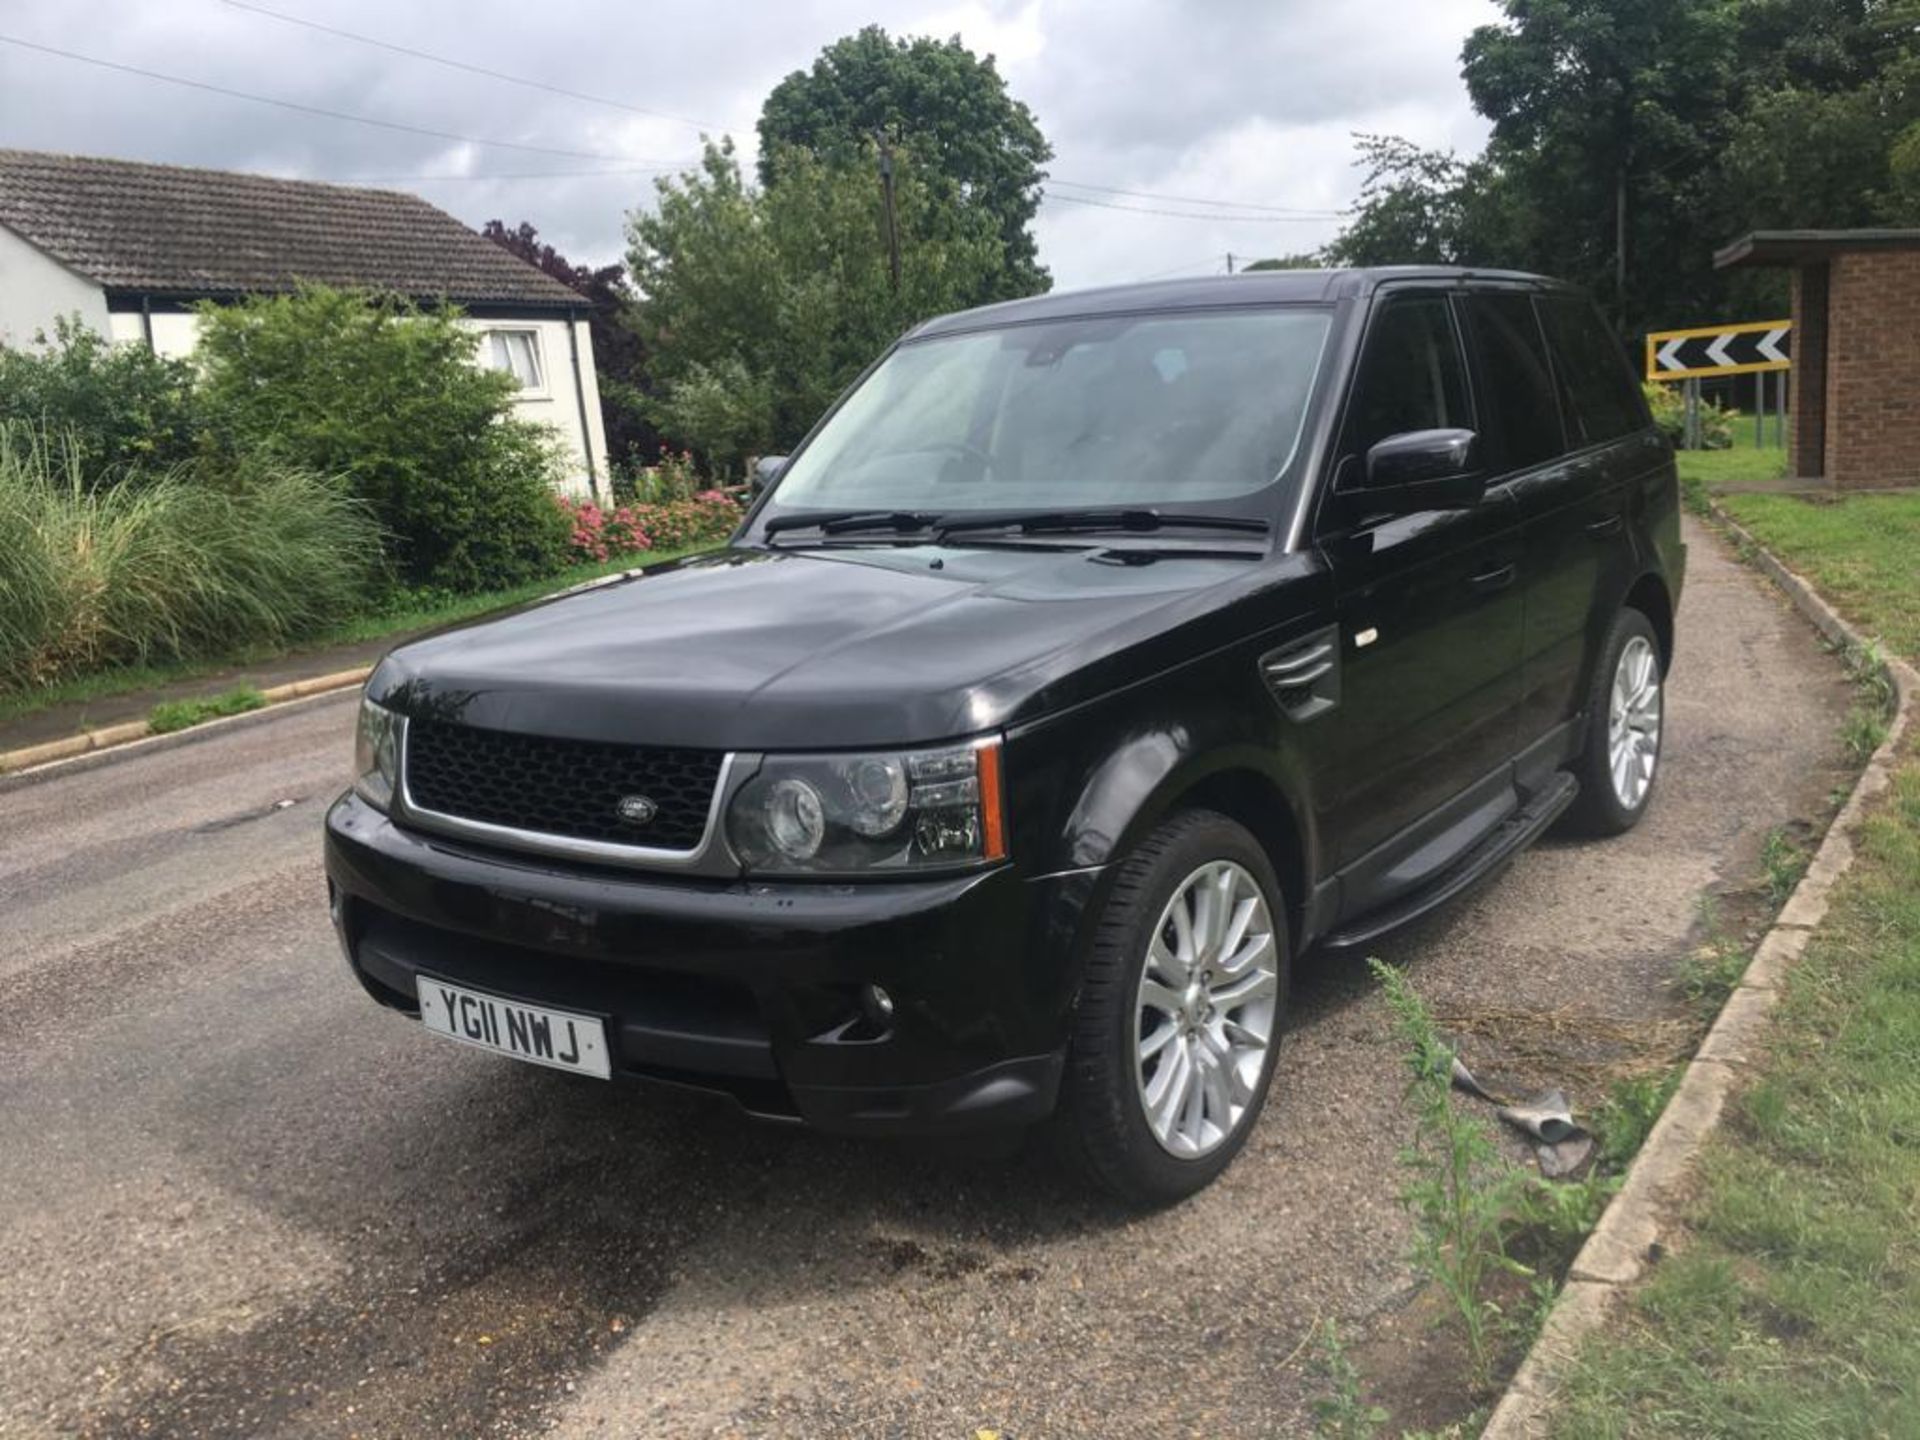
[166,229]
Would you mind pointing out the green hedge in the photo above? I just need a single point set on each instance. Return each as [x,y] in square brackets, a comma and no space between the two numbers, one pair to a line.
[387,395]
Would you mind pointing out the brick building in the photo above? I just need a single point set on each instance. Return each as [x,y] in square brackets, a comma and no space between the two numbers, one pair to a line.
[1855,394]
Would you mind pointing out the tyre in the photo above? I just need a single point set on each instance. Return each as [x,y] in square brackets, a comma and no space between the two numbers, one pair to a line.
[1174,1037]
[1620,760]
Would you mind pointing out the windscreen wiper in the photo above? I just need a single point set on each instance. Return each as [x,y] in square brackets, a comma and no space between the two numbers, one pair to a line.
[845,522]
[1066,522]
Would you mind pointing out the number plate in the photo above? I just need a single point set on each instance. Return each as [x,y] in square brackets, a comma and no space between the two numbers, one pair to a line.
[560,1038]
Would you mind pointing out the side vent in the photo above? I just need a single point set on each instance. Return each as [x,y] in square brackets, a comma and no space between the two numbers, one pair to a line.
[1304,676]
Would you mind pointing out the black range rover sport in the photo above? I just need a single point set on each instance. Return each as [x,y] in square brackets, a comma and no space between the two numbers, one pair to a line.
[1097,657]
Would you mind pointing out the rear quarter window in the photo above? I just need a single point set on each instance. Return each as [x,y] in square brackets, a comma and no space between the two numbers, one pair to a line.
[1521,407]
[1601,397]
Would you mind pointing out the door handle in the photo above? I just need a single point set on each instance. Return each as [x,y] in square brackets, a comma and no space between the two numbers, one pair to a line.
[1601,529]
[1494,577]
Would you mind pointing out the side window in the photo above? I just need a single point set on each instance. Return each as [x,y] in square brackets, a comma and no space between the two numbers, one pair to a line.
[517,353]
[1411,375]
[1602,399]
[1522,411]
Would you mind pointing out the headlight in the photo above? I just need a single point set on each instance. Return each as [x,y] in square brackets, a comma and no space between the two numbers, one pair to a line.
[376,754]
[858,814]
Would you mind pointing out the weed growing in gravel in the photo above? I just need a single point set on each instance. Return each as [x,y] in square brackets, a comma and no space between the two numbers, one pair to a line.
[1626,1117]
[1706,976]
[1461,1193]
[1343,1412]
[1873,700]
[1783,860]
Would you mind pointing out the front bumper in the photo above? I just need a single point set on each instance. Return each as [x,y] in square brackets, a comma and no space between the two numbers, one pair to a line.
[748,988]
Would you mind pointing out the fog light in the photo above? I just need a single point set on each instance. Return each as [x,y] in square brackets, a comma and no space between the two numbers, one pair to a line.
[877,1004]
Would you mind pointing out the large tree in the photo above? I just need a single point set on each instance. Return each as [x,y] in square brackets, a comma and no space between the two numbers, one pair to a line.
[760,304]
[1633,137]
[1829,130]
[1608,114]
[976,146]
[1429,207]
[619,359]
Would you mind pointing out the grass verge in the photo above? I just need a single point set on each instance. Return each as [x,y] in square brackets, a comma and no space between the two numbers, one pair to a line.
[1793,1307]
[1702,472]
[412,613]
[1860,551]
[1792,1303]
[171,715]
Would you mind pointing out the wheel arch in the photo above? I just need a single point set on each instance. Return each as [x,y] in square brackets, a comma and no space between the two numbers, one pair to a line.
[1650,596]
[1252,799]
[1245,784]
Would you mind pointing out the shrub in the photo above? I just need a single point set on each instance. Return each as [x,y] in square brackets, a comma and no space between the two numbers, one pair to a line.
[727,408]
[598,534]
[673,476]
[387,395]
[709,517]
[181,565]
[1670,414]
[122,407]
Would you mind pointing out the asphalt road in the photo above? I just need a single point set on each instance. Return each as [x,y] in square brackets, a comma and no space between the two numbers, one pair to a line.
[238,1200]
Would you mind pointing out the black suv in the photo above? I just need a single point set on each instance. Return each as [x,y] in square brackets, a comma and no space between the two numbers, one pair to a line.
[1095,657]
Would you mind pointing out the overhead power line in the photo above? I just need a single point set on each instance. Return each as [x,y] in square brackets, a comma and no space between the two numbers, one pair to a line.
[1184,199]
[312,109]
[434,58]
[452,64]
[1192,214]
[1270,214]
[510,175]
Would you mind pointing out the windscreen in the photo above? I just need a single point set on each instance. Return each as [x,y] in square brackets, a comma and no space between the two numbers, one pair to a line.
[1147,410]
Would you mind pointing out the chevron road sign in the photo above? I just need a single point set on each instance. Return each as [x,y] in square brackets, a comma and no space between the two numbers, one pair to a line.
[1720,350]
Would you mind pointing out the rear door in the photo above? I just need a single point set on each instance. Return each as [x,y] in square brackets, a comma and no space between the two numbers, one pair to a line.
[1429,609]
[1527,445]
[1576,514]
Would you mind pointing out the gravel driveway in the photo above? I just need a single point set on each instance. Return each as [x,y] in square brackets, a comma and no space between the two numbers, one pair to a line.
[237,1200]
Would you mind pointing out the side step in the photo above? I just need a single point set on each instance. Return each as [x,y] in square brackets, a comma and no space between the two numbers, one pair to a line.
[1506,840]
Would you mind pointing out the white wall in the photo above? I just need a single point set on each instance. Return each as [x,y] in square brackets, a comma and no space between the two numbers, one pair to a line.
[554,403]
[35,290]
[175,334]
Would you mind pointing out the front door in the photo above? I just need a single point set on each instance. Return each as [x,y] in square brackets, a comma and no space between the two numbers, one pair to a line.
[1430,613]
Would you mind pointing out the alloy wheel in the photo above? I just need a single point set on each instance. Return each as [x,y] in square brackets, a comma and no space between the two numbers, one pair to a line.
[1633,723]
[1208,1000]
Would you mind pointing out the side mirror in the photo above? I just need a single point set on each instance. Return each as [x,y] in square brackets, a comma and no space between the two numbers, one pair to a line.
[765,471]
[1422,470]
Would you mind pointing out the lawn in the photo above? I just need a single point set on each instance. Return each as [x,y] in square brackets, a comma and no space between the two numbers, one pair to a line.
[408,615]
[1791,1305]
[1744,463]
[1861,551]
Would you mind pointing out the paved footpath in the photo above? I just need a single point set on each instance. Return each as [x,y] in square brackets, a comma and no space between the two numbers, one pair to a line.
[238,1200]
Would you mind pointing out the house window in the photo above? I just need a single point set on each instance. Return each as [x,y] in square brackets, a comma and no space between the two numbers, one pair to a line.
[517,352]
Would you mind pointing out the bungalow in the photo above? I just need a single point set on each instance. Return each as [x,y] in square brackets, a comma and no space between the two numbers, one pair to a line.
[131,248]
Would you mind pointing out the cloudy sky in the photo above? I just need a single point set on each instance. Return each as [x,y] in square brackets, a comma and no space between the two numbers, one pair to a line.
[1186,102]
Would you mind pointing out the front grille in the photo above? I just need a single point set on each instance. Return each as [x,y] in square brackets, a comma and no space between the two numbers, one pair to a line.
[560,787]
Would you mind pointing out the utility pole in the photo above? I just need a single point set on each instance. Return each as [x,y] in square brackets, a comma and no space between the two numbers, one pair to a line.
[886,191]
[1620,237]
[1229,262]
